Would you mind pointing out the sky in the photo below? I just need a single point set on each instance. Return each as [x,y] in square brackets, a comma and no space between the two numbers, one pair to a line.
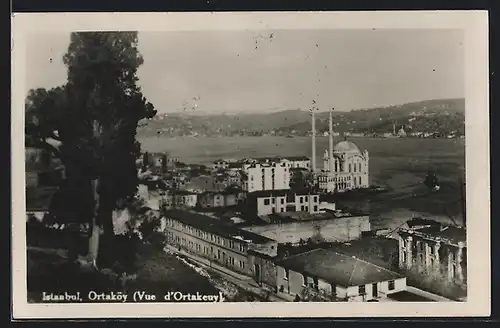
[270,70]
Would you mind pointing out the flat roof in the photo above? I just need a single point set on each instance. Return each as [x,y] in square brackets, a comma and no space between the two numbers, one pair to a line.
[337,268]
[214,226]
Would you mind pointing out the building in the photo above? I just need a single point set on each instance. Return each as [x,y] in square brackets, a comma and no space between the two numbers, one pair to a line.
[180,199]
[345,167]
[159,163]
[265,272]
[225,164]
[334,276]
[266,176]
[219,199]
[216,241]
[299,227]
[266,202]
[435,251]
[401,132]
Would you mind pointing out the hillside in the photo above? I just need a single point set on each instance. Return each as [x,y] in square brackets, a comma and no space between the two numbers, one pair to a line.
[442,116]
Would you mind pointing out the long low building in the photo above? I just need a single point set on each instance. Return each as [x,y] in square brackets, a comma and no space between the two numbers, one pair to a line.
[296,228]
[335,276]
[216,241]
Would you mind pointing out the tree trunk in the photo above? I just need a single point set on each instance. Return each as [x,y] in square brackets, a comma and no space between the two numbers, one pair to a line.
[95,230]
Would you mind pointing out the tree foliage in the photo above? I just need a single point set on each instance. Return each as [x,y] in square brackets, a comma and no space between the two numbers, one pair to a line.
[94,116]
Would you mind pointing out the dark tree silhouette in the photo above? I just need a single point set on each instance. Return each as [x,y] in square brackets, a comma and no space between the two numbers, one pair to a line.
[94,116]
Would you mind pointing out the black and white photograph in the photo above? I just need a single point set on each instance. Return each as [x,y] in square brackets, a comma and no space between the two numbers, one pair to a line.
[231,159]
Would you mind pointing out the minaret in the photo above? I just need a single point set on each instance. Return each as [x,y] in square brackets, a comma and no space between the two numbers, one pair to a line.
[313,138]
[330,143]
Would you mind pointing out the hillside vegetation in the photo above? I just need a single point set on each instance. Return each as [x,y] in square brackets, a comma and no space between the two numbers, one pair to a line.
[441,116]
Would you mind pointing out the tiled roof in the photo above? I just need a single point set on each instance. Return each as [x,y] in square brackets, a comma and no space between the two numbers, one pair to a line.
[337,268]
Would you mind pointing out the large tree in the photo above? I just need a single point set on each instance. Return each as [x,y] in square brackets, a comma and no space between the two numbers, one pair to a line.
[95,117]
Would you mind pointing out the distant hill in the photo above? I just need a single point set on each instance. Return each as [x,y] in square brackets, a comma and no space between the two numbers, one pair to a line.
[443,115]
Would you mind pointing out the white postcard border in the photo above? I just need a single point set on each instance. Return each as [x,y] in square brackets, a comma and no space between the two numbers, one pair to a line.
[473,23]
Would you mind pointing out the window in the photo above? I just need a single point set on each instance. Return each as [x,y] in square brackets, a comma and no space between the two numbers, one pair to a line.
[287,274]
[315,283]
[282,201]
[361,290]
[306,199]
[273,200]
[304,280]
[266,201]
[315,208]
[301,199]
[315,199]
[391,285]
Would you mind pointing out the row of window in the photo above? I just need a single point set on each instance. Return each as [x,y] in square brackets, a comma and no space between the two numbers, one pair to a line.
[205,235]
[302,199]
[208,251]
[361,289]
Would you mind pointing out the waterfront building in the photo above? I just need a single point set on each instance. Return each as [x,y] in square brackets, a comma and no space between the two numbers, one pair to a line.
[266,176]
[334,276]
[345,167]
[216,241]
[435,251]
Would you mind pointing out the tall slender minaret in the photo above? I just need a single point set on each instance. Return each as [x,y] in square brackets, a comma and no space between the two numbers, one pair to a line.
[313,138]
[331,167]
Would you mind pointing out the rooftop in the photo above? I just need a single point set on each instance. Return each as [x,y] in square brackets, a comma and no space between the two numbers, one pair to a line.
[345,146]
[280,192]
[337,268]
[449,234]
[214,226]
[305,216]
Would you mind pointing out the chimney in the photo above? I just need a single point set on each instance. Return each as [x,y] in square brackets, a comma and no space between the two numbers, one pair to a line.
[313,138]
[330,143]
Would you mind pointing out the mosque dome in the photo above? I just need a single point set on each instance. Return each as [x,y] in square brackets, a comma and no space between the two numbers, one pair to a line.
[346,146]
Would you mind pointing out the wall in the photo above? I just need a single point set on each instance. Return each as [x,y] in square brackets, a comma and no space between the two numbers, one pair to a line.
[337,229]
[268,271]
[383,290]
[279,205]
[256,181]
[295,284]
[203,246]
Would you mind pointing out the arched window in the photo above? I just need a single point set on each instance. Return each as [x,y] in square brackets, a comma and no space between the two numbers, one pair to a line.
[355,166]
[359,166]
[360,181]
[349,167]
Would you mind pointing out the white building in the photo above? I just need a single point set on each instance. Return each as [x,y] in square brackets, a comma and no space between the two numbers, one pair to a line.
[332,275]
[345,168]
[267,202]
[268,176]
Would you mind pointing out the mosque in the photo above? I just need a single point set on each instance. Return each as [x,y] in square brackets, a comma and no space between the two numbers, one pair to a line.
[345,167]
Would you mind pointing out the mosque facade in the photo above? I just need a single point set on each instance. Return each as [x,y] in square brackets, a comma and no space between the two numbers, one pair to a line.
[345,167]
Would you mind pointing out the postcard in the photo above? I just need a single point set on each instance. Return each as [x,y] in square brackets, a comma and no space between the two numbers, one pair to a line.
[271,164]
